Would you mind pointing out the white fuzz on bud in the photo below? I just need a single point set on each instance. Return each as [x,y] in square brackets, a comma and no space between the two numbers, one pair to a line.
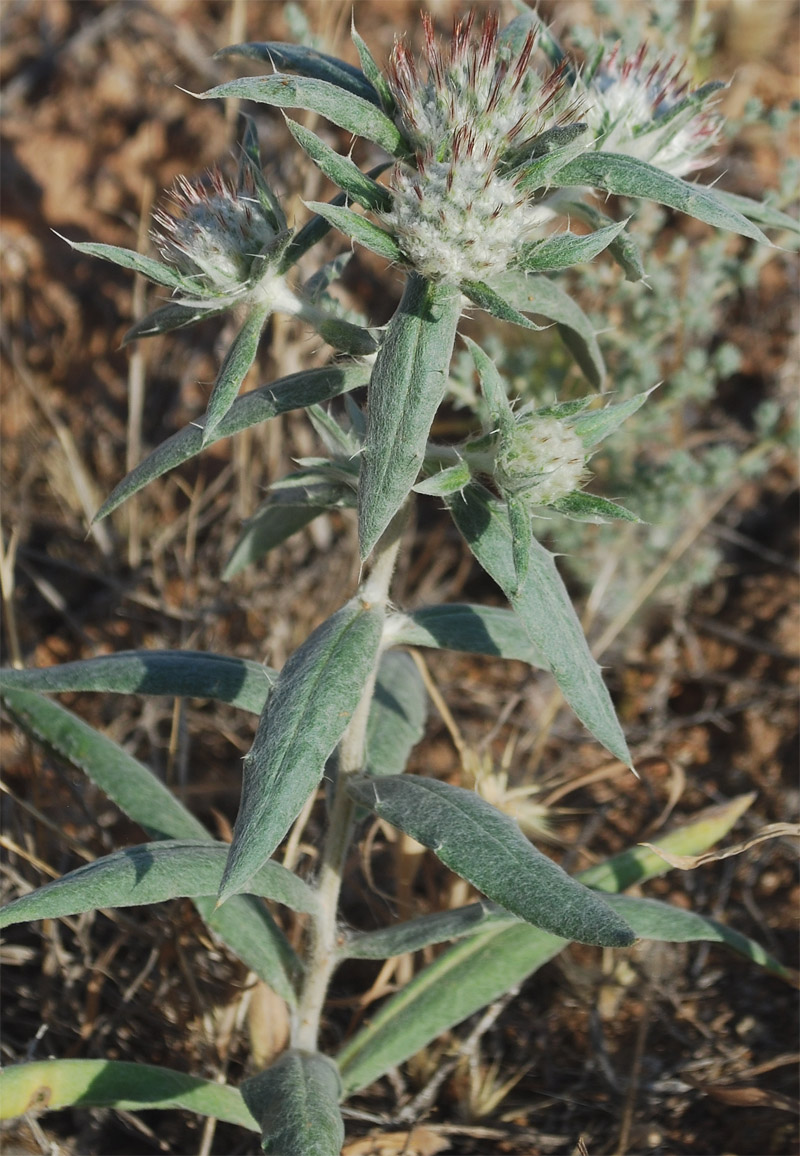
[541,458]
[473,120]
[646,109]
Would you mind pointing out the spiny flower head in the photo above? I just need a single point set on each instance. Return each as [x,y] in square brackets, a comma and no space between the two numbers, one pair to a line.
[646,109]
[473,120]
[540,458]
[218,236]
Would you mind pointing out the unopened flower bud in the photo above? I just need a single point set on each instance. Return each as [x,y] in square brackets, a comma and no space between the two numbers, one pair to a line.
[541,458]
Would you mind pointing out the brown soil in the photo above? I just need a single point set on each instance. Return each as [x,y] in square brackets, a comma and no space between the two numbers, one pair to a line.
[662,1049]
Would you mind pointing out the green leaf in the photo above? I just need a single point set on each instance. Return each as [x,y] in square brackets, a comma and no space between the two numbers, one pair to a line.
[486,847]
[443,483]
[152,873]
[251,167]
[344,336]
[152,270]
[166,319]
[763,214]
[341,170]
[565,249]
[406,388]
[350,112]
[372,72]
[274,523]
[55,1084]
[652,919]
[244,923]
[296,1102]
[306,715]
[543,297]
[397,714]
[493,388]
[423,931]
[596,424]
[545,610]
[308,62]
[585,507]
[485,966]
[493,302]
[629,177]
[317,228]
[461,626]
[359,229]
[181,673]
[623,248]
[234,369]
[293,392]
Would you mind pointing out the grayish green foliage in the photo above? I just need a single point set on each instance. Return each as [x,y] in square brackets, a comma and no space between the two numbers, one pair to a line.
[186,673]
[483,845]
[296,1102]
[358,228]
[565,249]
[349,111]
[293,392]
[545,609]
[244,923]
[397,715]
[461,626]
[306,61]
[306,715]
[234,369]
[341,170]
[152,873]
[414,934]
[406,388]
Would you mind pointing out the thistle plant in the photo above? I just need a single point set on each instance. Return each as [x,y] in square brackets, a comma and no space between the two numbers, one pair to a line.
[496,143]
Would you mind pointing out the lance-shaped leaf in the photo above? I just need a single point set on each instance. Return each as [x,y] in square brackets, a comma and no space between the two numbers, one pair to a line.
[596,424]
[495,303]
[545,609]
[306,61]
[352,113]
[763,214]
[359,229]
[294,392]
[565,249]
[244,923]
[278,519]
[423,931]
[585,507]
[629,177]
[545,298]
[485,966]
[307,713]
[443,483]
[486,847]
[623,248]
[152,873]
[182,673]
[406,388]
[55,1084]
[652,919]
[461,626]
[234,369]
[397,714]
[296,1103]
[317,228]
[373,74]
[127,259]
[341,170]
[251,168]
[167,318]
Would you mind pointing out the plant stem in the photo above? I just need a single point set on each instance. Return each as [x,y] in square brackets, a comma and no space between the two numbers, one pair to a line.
[322,954]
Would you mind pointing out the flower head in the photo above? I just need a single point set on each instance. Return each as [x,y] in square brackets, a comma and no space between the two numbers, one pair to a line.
[473,120]
[646,109]
[219,237]
[541,459]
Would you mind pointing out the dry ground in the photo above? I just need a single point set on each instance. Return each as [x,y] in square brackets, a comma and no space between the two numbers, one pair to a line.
[661,1050]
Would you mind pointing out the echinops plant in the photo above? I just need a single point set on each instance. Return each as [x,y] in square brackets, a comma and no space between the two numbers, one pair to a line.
[498,144]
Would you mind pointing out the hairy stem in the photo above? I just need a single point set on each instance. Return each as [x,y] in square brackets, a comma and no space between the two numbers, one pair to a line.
[322,955]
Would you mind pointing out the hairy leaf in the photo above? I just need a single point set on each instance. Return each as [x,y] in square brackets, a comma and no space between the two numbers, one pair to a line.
[341,170]
[306,715]
[462,626]
[358,228]
[417,933]
[306,61]
[296,1102]
[397,714]
[483,845]
[233,371]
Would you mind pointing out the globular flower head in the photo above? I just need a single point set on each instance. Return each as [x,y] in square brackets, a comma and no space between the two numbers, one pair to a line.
[473,119]
[646,108]
[540,458]
[219,237]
